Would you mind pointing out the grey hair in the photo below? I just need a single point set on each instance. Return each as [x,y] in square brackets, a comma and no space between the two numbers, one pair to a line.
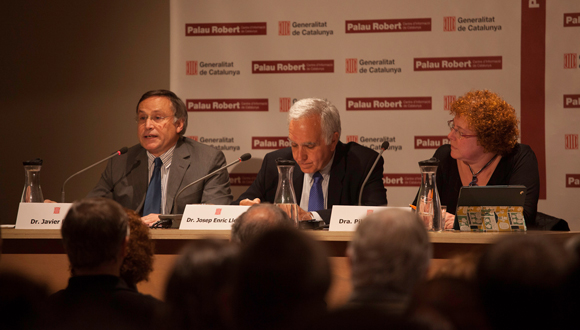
[390,252]
[258,219]
[329,116]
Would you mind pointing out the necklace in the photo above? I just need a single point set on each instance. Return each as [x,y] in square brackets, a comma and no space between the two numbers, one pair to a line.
[474,178]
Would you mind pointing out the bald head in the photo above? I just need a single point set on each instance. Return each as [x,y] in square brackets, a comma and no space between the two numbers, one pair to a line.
[258,219]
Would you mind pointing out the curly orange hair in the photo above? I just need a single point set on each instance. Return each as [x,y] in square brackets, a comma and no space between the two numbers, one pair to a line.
[492,119]
[138,262]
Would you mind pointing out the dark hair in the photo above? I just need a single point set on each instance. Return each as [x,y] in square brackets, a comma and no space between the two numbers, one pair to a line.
[177,105]
[258,219]
[138,262]
[197,283]
[93,231]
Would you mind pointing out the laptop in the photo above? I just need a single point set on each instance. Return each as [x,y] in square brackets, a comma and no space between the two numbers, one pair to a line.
[491,208]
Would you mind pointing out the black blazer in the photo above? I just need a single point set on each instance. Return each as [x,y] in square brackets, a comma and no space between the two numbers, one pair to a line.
[351,165]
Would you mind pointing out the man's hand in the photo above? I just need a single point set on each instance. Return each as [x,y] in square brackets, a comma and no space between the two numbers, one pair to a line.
[303,215]
[49,201]
[247,202]
[449,220]
[150,219]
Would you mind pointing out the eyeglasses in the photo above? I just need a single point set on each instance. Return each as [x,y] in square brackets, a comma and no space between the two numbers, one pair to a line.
[451,125]
[157,119]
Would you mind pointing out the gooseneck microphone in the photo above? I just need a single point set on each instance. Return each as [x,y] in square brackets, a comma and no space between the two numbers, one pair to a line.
[384,147]
[116,153]
[164,218]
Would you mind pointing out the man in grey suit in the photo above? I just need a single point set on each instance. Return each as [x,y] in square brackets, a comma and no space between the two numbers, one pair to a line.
[147,178]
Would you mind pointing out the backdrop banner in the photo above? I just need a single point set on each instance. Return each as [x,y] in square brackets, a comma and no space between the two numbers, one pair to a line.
[392,68]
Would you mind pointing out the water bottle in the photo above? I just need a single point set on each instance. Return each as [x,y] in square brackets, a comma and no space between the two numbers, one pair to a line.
[285,195]
[32,192]
[428,202]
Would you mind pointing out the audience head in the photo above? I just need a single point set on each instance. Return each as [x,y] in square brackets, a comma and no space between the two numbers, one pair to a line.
[258,219]
[519,281]
[95,233]
[138,262]
[282,280]
[314,131]
[199,285]
[390,253]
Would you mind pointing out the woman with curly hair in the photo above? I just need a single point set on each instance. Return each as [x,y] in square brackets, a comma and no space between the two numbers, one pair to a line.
[483,151]
[138,262]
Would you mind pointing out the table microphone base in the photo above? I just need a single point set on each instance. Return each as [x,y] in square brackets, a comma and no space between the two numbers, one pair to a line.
[166,220]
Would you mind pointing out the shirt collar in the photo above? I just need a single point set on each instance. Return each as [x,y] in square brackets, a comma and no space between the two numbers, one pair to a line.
[166,157]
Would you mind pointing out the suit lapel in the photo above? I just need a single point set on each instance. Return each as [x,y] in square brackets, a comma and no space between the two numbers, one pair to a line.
[179,165]
[337,172]
[139,170]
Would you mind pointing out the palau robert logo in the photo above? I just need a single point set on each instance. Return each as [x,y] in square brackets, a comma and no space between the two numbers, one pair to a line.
[571,141]
[447,101]
[270,142]
[572,180]
[401,179]
[388,103]
[227,105]
[572,101]
[388,25]
[223,68]
[375,142]
[224,143]
[458,63]
[430,142]
[471,24]
[295,66]
[242,179]
[570,61]
[571,19]
[316,28]
[225,29]
[384,65]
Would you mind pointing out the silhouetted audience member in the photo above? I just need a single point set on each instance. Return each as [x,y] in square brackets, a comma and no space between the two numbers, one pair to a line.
[519,280]
[21,302]
[448,302]
[389,254]
[199,286]
[364,317]
[138,262]
[282,279]
[95,235]
[258,219]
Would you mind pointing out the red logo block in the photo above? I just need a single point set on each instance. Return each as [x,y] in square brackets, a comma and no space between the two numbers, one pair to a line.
[571,141]
[352,138]
[449,23]
[572,180]
[285,104]
[447,101]
[351,65]
[191,68]
[369,212]
[570,61]
[57,210]
[194,138]
[284,28]
[218,211]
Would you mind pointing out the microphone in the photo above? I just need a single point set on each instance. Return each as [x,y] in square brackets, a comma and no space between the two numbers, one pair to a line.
[165,219]
[116,153]
[384,147]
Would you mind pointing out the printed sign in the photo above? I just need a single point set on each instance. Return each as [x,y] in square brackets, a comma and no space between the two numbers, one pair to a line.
[210,217]
[41,215]
[347,217]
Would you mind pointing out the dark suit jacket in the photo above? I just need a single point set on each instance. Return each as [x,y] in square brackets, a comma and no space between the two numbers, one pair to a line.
[126,177]
[352,162]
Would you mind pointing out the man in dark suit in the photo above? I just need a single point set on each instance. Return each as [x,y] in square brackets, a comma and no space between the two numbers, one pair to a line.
[324,164]
[147,178]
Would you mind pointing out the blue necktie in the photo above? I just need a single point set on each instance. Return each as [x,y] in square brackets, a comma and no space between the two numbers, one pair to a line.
[316,199]
[153,197]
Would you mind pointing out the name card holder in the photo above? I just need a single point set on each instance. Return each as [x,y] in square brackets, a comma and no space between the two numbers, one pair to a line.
[210,217]
[347,217]
[41,215]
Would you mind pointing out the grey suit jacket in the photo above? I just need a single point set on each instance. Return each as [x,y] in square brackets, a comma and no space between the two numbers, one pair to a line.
[125,178]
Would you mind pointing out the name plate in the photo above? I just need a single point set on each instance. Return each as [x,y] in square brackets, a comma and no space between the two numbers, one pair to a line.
[210,217]
[41,215]
[347,217]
